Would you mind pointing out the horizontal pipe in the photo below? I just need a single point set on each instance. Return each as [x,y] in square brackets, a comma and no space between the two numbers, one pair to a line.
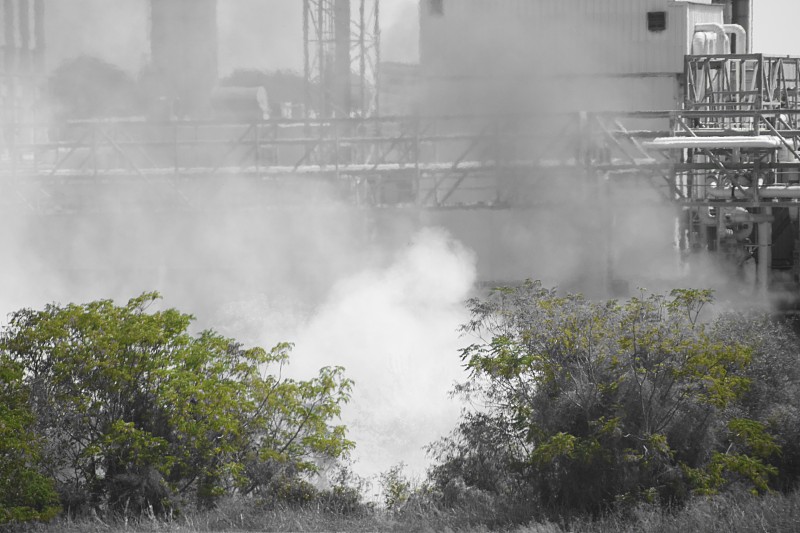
[772,191]
[740,33]
[727,141]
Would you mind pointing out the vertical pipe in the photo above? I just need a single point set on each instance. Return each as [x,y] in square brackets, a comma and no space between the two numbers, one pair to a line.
[608,236]
[24,21]
[377,45]
[721,228]
[342,38]
[176,146]
[9,30]
[764,252]
[362,49]
[39,37]
[9,83]
[307,60]
[322,68]
[742,14]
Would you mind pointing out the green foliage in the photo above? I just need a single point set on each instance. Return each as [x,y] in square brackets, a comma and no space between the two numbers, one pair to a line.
[773,398]
[25,494]
[135,412]
[479,471]
[608,403]
[395,486]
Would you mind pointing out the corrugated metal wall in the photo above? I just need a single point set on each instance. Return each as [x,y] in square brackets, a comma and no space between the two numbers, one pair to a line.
[592,36]
[564,95]
[522,45]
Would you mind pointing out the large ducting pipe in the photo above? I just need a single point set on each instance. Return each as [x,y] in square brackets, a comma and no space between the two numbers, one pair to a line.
[739,42]
[723,43]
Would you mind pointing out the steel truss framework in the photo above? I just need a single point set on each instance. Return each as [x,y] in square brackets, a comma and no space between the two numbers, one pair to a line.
[730,157]
[737,162]
[342,40]
[459,161]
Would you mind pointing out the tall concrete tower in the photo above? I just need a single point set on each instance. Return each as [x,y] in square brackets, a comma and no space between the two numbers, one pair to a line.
[183,44]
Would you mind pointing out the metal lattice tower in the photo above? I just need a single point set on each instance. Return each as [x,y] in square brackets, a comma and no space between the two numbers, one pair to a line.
[342,56]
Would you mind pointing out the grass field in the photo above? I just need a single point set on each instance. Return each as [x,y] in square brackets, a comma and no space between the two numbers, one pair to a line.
[736,513]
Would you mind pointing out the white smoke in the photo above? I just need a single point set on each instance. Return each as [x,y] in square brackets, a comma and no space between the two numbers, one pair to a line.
[394,329]
[393,326]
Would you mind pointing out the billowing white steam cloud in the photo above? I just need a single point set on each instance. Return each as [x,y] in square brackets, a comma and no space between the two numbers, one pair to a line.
[394,329]
[393,325]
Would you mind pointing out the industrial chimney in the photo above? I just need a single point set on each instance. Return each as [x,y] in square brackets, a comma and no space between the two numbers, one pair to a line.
[183,44]
[740,12]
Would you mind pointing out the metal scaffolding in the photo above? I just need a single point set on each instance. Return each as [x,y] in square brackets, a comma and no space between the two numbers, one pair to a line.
[735,153]
[729,158]
[342,57]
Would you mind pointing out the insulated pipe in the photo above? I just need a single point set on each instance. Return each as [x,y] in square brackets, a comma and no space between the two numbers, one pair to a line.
[741,37]
[722,37]
[787,191]
[764,252]
[740,48]
[791,192]
[702,43]
[728,141]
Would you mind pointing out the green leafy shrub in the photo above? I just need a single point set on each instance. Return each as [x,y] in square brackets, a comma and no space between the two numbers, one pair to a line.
[592,406]
[25,493]
[773,398]
[136,413]
[395,486]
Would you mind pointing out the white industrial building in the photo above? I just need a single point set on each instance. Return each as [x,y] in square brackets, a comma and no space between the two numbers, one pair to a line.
[563,55]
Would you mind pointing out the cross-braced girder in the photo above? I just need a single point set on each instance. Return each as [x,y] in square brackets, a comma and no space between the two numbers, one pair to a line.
[341,57]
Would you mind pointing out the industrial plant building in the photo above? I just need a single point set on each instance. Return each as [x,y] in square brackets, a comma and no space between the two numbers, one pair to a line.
[552,55]
[538,105]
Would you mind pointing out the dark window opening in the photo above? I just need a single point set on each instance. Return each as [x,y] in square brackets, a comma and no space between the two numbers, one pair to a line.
[657,20]
[436,7]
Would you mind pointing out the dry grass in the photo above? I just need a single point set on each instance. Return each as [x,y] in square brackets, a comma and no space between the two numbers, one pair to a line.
[737,513]
[731,513]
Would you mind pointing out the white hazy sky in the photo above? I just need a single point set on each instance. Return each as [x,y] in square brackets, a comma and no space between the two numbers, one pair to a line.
[777,26]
